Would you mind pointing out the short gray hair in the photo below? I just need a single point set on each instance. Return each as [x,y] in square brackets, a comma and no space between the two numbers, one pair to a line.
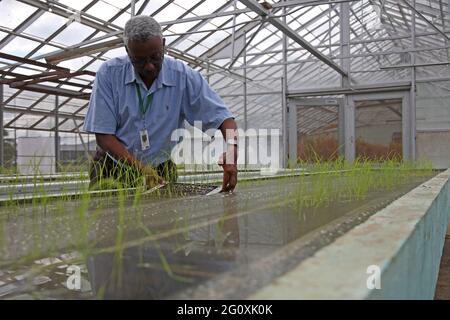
[141,28]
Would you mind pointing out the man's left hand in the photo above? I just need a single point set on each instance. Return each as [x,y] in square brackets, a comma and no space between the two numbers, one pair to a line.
[228,162]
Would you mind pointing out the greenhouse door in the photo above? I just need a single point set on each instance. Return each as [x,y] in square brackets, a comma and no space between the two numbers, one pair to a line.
[379,126]
[315,130]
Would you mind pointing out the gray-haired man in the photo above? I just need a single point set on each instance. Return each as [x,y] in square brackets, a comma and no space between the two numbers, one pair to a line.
[140,99]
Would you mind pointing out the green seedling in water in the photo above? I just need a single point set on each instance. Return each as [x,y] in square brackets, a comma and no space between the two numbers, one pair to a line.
[321,184]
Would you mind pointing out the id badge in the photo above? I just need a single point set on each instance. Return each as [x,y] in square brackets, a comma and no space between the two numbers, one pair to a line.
[145,144]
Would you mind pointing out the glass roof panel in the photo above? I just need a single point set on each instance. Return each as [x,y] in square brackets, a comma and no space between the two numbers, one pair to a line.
[73,34]
[67,126]
[20,47]
[122,19]
[13,13]
[48,122]
[45,25]
[77,5]
[206,8]
[103,10]
[24,100]
[25,122]
[178,29]
[45,50]
[118,52]
[153,6]
[67,108]
[171,12]
[76,64]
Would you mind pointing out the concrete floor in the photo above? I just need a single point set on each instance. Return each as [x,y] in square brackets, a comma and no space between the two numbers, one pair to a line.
[443,284]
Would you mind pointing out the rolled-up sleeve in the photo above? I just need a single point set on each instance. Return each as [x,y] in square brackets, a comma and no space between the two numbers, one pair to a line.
[101,116]
[202,103]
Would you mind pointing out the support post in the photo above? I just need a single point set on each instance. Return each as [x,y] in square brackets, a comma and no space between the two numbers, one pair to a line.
[293,132]
[349,129]
[56,135]
[245,107]
[411,121]
[133,8]
[348,112]
[2,149]
[341,127]
[284,104]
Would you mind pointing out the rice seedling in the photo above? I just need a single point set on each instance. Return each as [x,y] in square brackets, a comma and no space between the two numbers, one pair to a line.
[355,179]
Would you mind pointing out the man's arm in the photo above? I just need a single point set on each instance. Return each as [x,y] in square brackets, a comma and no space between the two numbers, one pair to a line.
[112,145]
[229,159]
[203,103]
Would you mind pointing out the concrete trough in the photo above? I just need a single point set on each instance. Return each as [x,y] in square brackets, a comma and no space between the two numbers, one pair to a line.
[395,254]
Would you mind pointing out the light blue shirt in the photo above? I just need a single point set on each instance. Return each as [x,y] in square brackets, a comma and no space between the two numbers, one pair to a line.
[179,93]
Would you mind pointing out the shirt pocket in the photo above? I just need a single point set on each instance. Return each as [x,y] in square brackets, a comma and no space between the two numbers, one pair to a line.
[168,106]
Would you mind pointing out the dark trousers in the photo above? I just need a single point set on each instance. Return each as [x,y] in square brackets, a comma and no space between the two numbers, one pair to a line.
[107,173]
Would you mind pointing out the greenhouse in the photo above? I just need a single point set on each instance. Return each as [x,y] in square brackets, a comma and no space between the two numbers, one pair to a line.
[224,150]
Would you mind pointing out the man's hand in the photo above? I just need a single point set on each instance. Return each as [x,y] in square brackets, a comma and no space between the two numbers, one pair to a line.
[228,162]
[152,179]
[111,144]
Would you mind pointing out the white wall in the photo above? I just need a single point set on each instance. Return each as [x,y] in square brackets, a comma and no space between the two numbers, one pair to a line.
[434,146]
[36,155]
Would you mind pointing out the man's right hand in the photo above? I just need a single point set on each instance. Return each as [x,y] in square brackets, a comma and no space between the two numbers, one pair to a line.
[111,144]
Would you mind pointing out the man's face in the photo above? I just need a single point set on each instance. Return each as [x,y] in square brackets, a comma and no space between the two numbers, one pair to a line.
[147,56]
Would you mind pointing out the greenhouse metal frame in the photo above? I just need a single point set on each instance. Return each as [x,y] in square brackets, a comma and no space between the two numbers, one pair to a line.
[263,58]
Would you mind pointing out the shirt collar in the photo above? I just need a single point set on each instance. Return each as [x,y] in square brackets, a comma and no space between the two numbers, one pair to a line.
[164,77]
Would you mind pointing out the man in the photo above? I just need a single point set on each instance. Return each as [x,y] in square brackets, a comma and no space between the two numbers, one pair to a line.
[138,101]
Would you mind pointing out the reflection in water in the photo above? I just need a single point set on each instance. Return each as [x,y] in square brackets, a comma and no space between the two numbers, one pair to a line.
[154,270]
